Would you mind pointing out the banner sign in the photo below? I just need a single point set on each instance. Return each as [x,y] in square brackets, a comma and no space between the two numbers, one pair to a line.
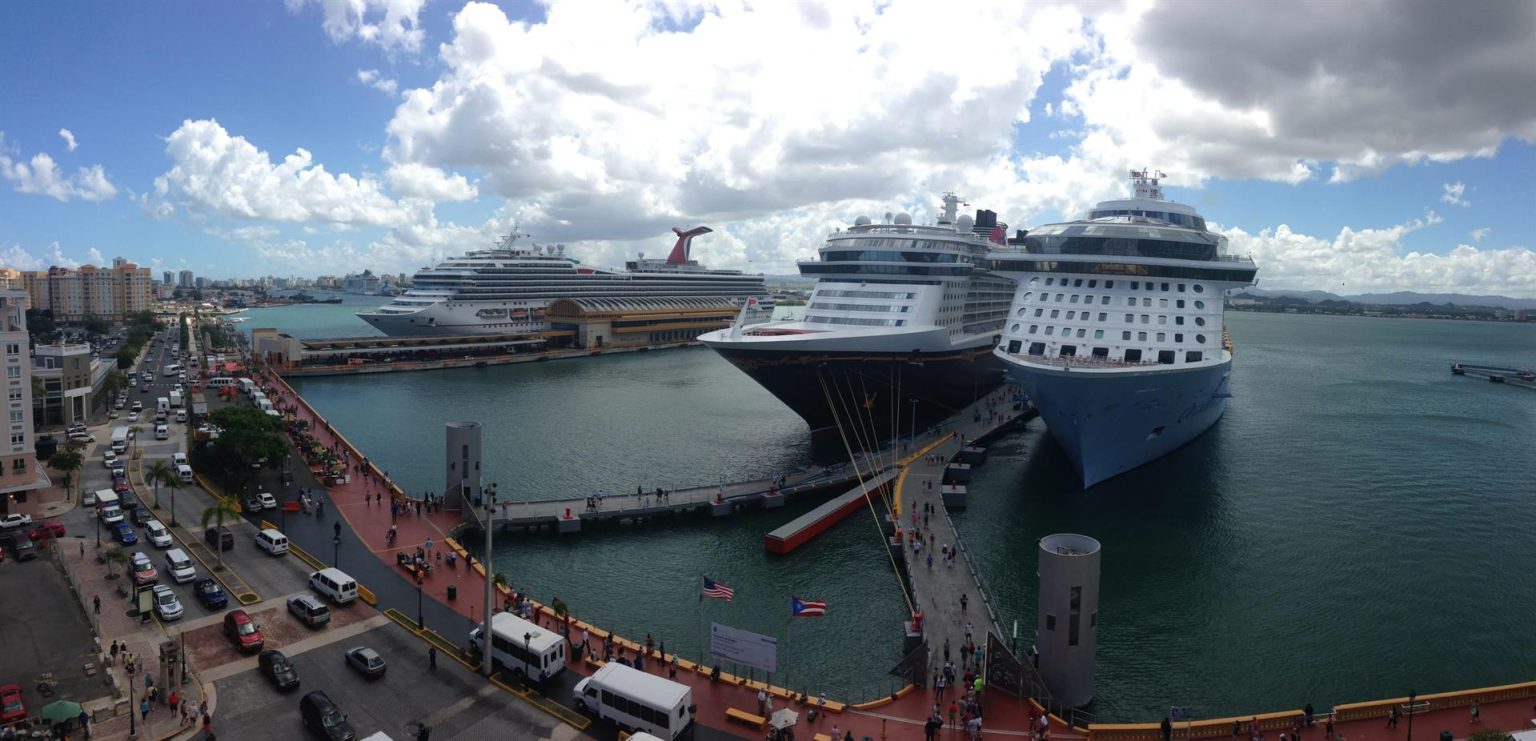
[744,647]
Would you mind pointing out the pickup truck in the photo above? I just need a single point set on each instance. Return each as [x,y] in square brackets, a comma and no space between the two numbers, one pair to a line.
[11,521]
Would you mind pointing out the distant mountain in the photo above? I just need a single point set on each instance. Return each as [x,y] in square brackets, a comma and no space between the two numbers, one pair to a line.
[1308,295]
[1401,298]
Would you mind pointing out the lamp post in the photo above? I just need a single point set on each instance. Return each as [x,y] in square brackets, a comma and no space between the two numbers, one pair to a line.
[490,574]
[421,620]
[336,552]
[1411,697]
[132,711]
[173,506]
[912,429]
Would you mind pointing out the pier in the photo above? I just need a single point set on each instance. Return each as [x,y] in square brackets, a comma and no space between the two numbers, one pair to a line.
[802,529]
[1523,378]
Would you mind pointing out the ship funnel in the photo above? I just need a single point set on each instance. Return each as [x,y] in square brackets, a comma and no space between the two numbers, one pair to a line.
[684,246]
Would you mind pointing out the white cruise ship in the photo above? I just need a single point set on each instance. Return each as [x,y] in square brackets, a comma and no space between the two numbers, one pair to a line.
[504,290]
[897,333]
[1117,333]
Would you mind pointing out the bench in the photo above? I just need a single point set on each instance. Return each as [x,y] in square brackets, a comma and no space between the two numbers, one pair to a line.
[742,716]
[821,737]
[593,663]
[1416,708]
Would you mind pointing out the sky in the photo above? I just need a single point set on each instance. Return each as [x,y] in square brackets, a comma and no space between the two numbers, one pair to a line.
[1375,145]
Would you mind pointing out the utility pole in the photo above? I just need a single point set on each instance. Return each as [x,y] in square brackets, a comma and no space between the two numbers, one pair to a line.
[490,580]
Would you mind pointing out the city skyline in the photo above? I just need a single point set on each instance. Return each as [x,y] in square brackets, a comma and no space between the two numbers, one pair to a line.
[312,139]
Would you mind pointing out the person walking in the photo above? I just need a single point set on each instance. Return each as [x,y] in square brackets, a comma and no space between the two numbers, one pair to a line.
[96,604]
[1167,728]
[1392,718]
[762,702]
[432,658]
[1477,715]
[144,710]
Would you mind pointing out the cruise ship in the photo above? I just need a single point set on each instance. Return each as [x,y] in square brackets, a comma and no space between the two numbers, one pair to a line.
[505,289]
[898,331]
[1117,332]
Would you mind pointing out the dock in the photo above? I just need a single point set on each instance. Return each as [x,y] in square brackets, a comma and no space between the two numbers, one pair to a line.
[1524,378]
[802,529]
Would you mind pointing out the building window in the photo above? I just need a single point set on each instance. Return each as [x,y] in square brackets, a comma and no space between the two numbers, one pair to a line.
[1109,284]
[1055,313]
[1077,283]
[1093,284]
[19,466]
[16,415]
[1178,338]
[13,349]
[18,439]
[15,394]
[1193,356]
[13,371]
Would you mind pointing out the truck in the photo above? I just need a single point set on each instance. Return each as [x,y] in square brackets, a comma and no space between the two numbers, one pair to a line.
[170,370]
[162,405]
[199,404]
[175,399]
[119,440]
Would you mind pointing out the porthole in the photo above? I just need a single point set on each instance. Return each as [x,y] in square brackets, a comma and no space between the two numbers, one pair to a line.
[1200,321]
[1021,312]
[1200,338]
[1199,288]
[1015,329]
[1199,304]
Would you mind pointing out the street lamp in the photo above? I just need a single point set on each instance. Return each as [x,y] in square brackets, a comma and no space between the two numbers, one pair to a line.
[421,620]
[173,507]
[912,430]
[1411,697]
[336,552]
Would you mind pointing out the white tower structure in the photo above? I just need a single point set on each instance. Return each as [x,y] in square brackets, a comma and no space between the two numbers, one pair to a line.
[462,463]
[1066,634]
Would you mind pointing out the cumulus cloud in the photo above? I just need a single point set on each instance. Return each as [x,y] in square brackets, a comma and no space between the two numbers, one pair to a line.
[389,24]
[40,175]
[1478,235]
[19,258]
[1453,192]
[422,181]
[372,78]
[215,173]
[1372,259]
[69,139]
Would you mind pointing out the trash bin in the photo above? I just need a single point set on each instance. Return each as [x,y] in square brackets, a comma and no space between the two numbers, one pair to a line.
[1446,736]
[453,592]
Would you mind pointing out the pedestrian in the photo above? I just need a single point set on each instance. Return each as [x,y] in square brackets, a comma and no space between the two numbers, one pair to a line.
[144,710]
[1392,718]
[762,702]
[1167,727]
[319,507]
[954,709]
[1328,728]
[1476,713]
[963,602]
[114,653]
[432,658]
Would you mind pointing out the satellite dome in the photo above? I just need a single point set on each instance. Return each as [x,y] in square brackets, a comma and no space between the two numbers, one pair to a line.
[903,219]
[861,221]
[966,222]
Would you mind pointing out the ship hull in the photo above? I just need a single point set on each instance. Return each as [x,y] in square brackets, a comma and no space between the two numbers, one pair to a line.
[1109,423]
[460,319]
[856,400]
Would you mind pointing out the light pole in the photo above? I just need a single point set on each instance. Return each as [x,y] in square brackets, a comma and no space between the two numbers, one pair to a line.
[336,552]
[421,620]
[1411,697]
[173,507]
[490,574]
[912,429]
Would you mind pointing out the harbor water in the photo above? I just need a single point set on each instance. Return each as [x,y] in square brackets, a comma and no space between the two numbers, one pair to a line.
[1356,526]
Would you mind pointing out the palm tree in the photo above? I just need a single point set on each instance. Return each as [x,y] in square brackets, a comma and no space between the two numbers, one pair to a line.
[159,473]
[136,429]
[222,509]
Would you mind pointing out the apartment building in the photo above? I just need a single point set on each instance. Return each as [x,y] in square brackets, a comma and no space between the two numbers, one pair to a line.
[20,472]
[110,293]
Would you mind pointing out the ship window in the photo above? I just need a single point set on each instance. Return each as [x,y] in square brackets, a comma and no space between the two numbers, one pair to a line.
[1165,286]
[1147,302]
[1178,338]
[1200,338]
[1093,284]
[1135,285]
[1022,312]
[1104,300]
[1199,288]
[1146,319]
[1165,357]
[1130,318]
[1098,334]
[1015,328]
[1133,356]
[1080,332]
[1162,303]
[1199,304]
[1013,347]
[1048,281]
[1178,320]
[1180,303]
[1162,337]
[1193,356]
[1141,336]
[1050,621]
[1068,351]
[1035,281]
[1125,335]
[1077,283]
[1033,329]
[1109,284]
[1060,297]
[1055,313]
[1037,348]
[1074,298]
[1071,315]
[1103,317]
[1050,330]
[1038,312]
[1162,318]
[1027,294]
[1200,321]
[1181,288]
[1101,352]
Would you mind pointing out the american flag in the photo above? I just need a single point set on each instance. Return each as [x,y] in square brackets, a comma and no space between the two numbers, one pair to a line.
[717,590]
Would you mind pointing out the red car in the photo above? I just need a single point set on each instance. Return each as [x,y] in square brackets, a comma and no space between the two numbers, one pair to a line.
[11,707]
[241,630]
[47,530]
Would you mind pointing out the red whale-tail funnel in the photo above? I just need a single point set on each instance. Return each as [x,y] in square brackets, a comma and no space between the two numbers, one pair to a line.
[684,244]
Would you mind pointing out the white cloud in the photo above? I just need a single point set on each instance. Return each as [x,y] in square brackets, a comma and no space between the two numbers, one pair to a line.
[372,78]
[19,258]
[1453,193]
[1366,260]
[214,173]
[69,139]
[1479,235]
[388,24]
[422,181]
[40,175]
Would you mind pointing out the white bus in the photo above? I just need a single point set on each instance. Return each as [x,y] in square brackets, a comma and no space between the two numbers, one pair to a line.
[637,701]
[522,647]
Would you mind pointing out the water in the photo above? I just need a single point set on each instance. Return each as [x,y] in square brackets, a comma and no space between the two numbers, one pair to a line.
[317,321]
[1353,528]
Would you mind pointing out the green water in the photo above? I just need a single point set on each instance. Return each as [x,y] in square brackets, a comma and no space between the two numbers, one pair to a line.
[1358,524]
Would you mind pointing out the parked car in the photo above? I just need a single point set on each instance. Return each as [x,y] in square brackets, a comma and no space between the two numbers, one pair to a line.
[166,604]
[252,502]
[210,593]
[366,660]
[12,708]
[309,610]
[324,719]
[124,533]
[278,670]
[141,515]
[219,538]
[241,630]
[15,520]
[143,570]
[49,529]
[19,545]
[157,534]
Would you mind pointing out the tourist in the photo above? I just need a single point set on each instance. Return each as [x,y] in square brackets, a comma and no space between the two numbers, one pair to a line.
[1307,714]
[1328,728]
[1392,718]
[1167,727]
[432,658]
[762,702]
[114,653]
[1476,713]
[964,600]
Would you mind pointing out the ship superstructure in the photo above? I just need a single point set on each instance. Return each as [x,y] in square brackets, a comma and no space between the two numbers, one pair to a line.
[1117,331]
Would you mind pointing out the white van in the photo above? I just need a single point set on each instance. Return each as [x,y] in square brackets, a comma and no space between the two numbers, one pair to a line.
[334,583]
[636,700]
[273,542]
[181,415]
[162,405]
[179,565]
[178,459]
[185,472]
[162,432]
[221,382]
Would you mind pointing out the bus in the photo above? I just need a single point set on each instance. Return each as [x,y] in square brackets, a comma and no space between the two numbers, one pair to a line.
[522,647]
[637,701]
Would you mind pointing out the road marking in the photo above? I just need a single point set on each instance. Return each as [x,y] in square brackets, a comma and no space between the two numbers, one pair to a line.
[320,639]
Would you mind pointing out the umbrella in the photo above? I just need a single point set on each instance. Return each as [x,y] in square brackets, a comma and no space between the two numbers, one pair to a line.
[62,711]
[783,718]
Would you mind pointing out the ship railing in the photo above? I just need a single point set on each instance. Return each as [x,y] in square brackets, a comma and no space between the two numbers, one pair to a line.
[1077,361]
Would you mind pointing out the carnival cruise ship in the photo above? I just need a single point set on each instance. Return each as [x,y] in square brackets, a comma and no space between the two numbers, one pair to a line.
[898,332]
[505,289]
[1117,332]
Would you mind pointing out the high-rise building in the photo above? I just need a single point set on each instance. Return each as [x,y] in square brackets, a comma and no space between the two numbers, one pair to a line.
[110,293]
[184,279]
[201,282]
[20,472]
[168,278]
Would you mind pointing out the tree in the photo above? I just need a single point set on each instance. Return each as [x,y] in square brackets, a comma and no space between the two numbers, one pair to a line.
[95,324]
[115,555]
[134,433]
[222,509]
[115,381]
[126,356]
[67,462]
[248,436]
[159,473]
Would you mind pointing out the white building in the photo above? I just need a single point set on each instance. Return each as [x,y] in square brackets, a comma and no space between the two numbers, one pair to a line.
[20,472]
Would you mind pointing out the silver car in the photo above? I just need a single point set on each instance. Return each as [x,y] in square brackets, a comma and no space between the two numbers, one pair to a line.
[309,610]
[166,604]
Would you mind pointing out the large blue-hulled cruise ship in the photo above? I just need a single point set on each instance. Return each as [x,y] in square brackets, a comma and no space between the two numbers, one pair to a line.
[1116,331]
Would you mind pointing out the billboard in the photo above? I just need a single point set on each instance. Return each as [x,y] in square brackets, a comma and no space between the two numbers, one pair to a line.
[744,647]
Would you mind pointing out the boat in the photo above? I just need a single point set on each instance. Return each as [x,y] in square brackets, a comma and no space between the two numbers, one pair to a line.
[897,333]
[1117,334]
[505,289]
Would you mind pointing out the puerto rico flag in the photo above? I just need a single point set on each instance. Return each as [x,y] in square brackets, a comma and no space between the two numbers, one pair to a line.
[717,590]
[806,608]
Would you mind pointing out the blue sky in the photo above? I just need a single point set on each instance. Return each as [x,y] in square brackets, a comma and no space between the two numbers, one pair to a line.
[604,126]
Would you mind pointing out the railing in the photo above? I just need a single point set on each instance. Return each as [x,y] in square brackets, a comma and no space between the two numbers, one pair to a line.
[1075,361]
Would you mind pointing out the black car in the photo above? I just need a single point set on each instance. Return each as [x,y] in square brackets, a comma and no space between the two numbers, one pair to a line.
[141,516]
[324,719]
[19,545]
[127,500]
[278,670]
[219,538]
[210,593]
[366,660]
